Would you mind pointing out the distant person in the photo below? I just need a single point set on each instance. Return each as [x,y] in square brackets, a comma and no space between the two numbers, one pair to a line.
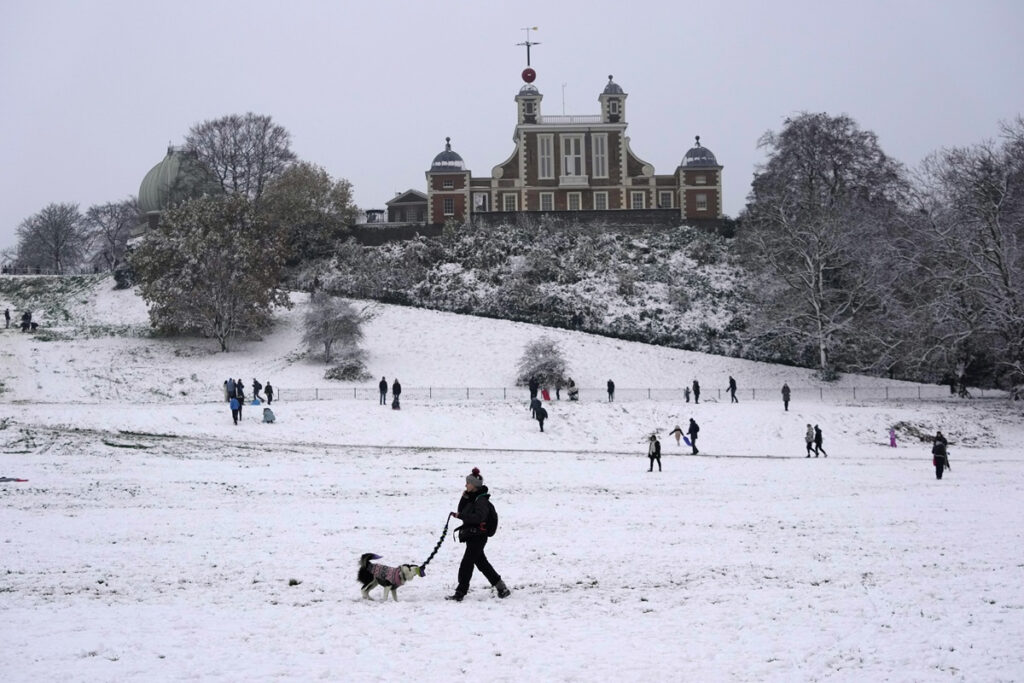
[268,415]
[677,432]
[611,391]
[892,438]
[686,393]
[256,389]
[785,396]
[732,389]
[541,415]
[236,410]
[692,431]
[396,391]
[809,439]
[818,448]
[240,395]
[574,392]
[7,318]
[383,386]
[696,392]
[534,387]
[654,452]
[270,393]
[229,387]
[940,454]
[534,405]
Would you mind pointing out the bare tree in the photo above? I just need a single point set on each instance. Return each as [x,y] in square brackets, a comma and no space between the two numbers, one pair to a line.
[109,227]
[53,239]
[244,152]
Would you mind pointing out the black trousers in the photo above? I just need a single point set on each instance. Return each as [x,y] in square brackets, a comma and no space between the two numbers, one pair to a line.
[474,557]
[383,398]
[940,465]
[652,459]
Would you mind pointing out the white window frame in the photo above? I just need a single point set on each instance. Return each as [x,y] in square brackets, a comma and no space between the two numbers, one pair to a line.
[700,202]
[509,201]
[481,202]
[547,201]
[662,196]
[448,184]
[599,199]
[599,154]
[635,195]
[700,180]
[574,201]
[574,162]
[545,156]
[613,106]
[448,206]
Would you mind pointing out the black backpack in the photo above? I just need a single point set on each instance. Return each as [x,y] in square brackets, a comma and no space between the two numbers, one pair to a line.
[492,522]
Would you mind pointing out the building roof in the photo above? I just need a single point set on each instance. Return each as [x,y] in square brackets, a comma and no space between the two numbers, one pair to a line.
[448,160]
[180,175]
[529,89]
[613,88]
[699,156]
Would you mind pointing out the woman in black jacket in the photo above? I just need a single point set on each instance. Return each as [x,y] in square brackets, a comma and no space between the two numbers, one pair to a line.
[475,510]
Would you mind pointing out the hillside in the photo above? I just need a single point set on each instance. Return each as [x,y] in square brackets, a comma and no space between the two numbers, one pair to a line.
[146,537]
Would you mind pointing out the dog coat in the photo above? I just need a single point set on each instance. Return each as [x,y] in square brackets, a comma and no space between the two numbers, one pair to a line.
[382,573]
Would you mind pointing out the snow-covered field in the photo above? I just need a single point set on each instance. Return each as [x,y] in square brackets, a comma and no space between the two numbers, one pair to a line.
[154,540]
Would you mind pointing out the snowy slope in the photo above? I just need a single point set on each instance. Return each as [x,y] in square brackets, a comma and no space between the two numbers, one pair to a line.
[155,540]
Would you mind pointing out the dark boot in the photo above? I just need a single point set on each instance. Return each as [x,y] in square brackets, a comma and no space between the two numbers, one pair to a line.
[457,597]
[503,591]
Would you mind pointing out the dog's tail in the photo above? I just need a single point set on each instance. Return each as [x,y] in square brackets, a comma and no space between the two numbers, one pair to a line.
[365,559]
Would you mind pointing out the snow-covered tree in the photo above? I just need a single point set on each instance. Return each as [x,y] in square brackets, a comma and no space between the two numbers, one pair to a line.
[818,220]
[53,239]
[331,322]
[209,268]
[968,251]
[542,360]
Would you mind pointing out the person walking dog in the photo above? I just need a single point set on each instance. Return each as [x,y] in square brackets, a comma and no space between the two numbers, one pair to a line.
[479,522]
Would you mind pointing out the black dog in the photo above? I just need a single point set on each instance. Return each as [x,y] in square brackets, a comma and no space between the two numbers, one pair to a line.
[372,575]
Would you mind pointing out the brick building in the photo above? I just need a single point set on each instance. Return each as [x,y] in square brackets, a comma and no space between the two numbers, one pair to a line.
[570,163]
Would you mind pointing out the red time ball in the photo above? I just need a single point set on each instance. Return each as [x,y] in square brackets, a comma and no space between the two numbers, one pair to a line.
[529,75]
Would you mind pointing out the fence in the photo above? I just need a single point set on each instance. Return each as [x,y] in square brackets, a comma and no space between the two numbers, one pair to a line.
[911,392]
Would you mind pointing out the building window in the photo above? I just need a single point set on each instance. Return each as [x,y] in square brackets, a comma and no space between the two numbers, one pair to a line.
[701,202]
[448,184]
[528,107]
[545,156]
[575,201]
[600,201]
[481,202]
[701,180]
[600,155]
[572,155]
[665,200]
[613,106]
[510,202]
[449,207]
[636,200]
[547,201]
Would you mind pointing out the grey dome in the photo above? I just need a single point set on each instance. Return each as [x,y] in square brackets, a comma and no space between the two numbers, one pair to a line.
[529,89]
[448,160]
[699,156]
[179,176]
[613,88]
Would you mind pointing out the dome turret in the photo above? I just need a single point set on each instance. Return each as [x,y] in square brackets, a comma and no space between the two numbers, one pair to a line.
[699,156]
[613,88]
[448,160]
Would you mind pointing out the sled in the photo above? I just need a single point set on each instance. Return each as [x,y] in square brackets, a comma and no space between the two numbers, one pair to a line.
[546,394]
[686,440]
[255,402]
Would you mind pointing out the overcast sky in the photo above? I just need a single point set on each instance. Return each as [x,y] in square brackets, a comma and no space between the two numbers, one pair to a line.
[91,93]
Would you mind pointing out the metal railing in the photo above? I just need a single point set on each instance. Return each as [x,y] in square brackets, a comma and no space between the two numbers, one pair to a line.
[797,394]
